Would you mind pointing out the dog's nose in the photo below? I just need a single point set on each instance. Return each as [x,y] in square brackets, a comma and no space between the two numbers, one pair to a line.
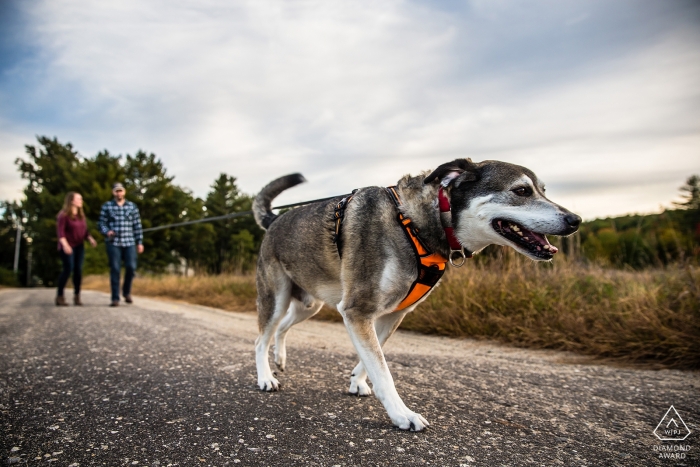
[573,220]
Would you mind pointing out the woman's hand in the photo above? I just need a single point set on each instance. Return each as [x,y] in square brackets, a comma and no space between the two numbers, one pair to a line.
[92,241]
[65,246]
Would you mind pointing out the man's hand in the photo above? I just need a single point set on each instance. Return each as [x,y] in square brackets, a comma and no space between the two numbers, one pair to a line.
[139,249]
[111,234]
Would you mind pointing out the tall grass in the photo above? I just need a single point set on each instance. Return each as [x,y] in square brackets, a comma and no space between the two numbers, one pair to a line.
[642,316]
[651,315]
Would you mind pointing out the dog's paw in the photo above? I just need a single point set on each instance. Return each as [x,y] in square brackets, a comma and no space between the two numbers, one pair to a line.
[280,358]
[269,385]
[410,421]
[359,388]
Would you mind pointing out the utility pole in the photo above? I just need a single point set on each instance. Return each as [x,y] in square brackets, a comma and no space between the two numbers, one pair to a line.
[29,262]
[18,240]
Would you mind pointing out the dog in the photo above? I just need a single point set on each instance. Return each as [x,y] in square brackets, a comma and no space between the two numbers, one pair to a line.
[366,264]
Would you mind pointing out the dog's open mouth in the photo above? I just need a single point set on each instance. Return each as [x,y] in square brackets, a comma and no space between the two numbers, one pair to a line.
[535,243]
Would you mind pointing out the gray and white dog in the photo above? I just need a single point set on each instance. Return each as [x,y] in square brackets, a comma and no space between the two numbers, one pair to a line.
[299,266]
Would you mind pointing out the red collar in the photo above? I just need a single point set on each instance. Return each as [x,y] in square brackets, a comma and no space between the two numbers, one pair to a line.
[456,248]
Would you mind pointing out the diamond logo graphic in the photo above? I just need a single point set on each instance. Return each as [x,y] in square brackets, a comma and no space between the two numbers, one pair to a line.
[672,427]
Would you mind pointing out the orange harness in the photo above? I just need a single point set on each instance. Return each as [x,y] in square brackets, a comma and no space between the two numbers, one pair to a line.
[431,266]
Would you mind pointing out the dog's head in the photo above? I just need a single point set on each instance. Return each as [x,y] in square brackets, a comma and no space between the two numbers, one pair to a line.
[504,204]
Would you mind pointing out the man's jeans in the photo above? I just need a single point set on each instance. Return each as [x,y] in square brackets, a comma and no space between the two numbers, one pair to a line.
[116,255]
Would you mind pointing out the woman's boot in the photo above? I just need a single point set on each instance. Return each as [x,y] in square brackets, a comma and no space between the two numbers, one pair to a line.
[76,300]
[60,300]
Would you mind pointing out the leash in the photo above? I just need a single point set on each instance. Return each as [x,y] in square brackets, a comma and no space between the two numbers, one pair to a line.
[234,215]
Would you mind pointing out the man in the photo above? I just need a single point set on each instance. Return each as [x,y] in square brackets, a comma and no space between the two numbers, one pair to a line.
[120,223]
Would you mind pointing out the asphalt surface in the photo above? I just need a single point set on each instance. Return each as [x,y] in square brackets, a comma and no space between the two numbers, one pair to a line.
[164,383]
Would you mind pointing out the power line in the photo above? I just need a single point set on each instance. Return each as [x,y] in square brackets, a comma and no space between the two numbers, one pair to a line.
[236,214]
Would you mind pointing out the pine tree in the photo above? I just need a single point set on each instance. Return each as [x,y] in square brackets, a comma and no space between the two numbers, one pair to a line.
[52,169]
[236,240]
[690,193]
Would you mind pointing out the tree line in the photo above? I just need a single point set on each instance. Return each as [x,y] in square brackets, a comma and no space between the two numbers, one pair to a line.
[51,169]
[643,241]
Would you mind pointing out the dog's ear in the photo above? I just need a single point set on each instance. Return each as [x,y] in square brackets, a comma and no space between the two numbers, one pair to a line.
[462,170]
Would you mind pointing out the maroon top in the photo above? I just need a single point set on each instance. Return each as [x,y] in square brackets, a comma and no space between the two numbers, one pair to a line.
[75,230]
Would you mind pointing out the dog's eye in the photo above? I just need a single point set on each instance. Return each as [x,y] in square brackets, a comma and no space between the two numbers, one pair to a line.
[523,191]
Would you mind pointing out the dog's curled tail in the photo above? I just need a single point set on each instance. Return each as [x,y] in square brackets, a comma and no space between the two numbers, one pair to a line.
[262,203]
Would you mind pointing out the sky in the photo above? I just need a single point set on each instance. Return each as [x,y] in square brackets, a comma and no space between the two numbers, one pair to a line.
[600,99]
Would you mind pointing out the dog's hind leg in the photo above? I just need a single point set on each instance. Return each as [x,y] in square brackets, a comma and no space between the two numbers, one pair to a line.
[385,327]
[297,312]
[274,294]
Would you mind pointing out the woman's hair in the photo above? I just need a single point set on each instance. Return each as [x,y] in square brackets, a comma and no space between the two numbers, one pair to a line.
[67,209]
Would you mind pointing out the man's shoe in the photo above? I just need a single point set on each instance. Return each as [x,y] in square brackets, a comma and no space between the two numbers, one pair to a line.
[76,300]
[60,301]
[114,303]
[128,299]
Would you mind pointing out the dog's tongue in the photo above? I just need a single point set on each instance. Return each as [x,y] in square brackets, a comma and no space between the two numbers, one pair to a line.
[543,240]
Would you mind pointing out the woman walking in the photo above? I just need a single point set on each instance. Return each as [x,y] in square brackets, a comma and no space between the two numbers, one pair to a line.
[72,231]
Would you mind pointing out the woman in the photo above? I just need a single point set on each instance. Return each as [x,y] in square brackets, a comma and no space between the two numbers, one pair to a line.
[72,232]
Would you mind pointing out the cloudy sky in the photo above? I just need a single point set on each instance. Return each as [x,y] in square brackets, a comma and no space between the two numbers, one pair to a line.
[601,99]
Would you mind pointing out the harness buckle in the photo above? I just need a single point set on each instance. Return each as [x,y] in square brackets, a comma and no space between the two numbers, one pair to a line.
[460,254]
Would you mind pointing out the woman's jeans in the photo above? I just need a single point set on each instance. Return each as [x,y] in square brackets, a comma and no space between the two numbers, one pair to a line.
[71,263]
[116,255]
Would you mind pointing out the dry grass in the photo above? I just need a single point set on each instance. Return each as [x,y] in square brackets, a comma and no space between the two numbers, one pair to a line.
[231,293]
[647,316]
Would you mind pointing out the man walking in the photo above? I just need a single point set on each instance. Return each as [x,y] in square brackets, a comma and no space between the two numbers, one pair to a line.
[120,223]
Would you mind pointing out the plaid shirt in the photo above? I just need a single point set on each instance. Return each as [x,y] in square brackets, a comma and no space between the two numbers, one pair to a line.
[124,220]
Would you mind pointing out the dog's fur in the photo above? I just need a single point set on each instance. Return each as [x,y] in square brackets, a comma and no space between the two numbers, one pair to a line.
[299,267]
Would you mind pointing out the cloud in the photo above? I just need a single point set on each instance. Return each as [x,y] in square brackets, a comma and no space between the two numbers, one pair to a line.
[355,94]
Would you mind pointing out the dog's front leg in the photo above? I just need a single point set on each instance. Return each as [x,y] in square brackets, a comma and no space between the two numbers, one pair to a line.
[385,326]
[364,337]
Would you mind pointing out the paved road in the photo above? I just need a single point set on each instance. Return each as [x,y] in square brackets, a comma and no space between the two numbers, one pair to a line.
[164,383]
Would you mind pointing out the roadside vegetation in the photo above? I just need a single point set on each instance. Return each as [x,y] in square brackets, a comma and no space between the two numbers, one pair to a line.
[641,316]
[227,292]
[650,316]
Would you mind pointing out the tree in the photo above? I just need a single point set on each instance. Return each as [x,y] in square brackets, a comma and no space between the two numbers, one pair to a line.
[194,243]
[160,202]
[690,193]
[690,216]
[52,169]
[232,247]
[11,215]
